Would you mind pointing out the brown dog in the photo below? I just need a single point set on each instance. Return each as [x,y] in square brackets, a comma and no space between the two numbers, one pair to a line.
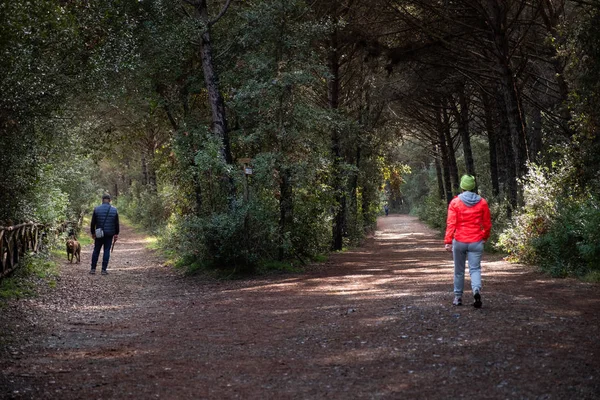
[73,250]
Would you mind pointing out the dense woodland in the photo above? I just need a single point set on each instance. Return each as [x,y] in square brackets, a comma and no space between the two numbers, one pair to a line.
[244,132]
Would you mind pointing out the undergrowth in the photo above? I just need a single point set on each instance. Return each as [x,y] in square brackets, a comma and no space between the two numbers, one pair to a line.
[557,229]
[34,270]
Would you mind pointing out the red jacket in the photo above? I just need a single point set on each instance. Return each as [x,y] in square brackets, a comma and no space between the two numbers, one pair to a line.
[468,224]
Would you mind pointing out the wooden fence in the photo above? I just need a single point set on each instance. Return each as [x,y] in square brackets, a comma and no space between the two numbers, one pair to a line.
[15,242]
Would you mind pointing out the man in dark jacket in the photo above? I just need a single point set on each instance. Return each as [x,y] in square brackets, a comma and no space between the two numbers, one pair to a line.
[105,217]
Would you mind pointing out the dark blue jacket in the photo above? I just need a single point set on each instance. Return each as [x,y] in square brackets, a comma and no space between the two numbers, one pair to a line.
[107,220]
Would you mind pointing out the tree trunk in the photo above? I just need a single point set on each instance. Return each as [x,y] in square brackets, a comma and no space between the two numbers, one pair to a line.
[463,129]
[492,141]
[353,209]
[333,97]
[144,171]
[444,153]
[453,166]
[217,104]
[512,105]
[438,170]
[285,208]
[514,119]
[508,156]
[552,13]
[535,134]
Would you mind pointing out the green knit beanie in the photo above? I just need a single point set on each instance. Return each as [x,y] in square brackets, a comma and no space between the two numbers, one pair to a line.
[467,182]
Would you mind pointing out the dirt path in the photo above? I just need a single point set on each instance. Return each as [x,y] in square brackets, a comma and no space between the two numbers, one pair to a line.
[375,322]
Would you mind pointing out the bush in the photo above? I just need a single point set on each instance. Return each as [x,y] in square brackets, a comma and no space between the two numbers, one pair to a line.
[417,187]
[237,239]
[541,190]
[433,211]
[34,270]
[499,214]
[149,208]
[248,236]
[556,229]
[311,232]
[571,244]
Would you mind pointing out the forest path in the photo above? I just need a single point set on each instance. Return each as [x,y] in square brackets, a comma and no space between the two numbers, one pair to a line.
[373,322]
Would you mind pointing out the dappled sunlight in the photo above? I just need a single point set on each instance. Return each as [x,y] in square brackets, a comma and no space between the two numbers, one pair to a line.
[358,276]
[376,269]
[497,274]
[136,241]
[356,356]
[363,294]
[396,236]
[118,251]
[280,286]
[103,354]
[362,252]
[112,307]
[127,267]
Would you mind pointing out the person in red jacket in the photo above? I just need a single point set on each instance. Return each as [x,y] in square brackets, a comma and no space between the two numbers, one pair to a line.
[468,226]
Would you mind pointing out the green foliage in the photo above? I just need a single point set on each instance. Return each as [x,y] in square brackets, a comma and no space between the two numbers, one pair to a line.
[271,266]
[417,186]
[49,58]
[558,228]
[592,277]
[148,208]
[433,212]
[311,231]
[571,244]
[581,53]
[220,240]
[422,197]
[277,125]
[541,190]
[34,270]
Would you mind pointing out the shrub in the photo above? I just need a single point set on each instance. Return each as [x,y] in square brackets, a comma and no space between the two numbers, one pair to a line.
[35,270]
[248,236]
[416,187]
[433,212]
[556,229]
[541,189]
[147,207]
[239,238]
[571,245]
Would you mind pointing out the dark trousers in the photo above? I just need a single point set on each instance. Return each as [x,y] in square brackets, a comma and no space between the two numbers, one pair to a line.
[105,241]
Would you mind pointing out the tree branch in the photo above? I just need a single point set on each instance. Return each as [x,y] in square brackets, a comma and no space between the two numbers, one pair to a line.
[223,11]
[586,3]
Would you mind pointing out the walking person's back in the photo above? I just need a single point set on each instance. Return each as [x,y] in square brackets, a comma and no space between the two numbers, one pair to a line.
[468,226]
[105,229]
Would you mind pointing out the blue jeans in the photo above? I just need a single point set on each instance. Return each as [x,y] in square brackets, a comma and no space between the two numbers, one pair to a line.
[461,252]
[105,241]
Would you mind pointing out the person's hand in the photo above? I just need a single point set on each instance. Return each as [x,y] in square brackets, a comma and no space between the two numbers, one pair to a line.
[115,238]
[94,236]
[448,247]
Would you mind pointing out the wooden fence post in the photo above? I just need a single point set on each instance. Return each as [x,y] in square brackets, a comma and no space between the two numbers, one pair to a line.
[15,242]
